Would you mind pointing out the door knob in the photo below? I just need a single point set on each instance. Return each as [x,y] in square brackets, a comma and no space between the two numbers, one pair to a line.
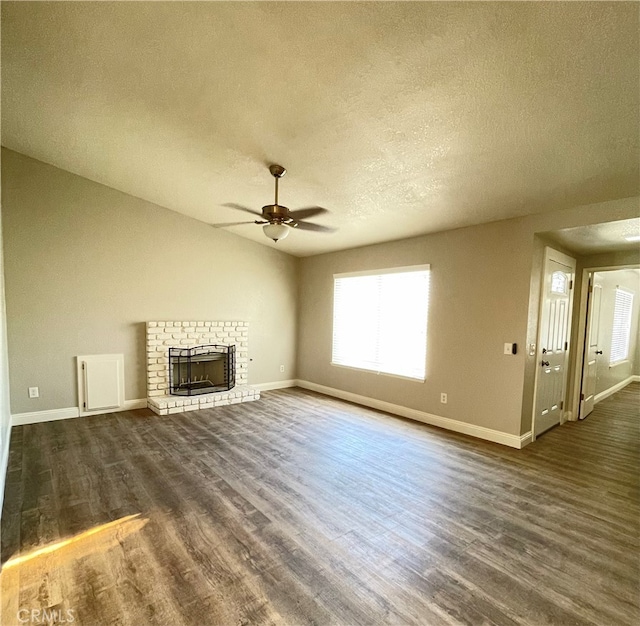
[598,351]
[545,363]
[544,350]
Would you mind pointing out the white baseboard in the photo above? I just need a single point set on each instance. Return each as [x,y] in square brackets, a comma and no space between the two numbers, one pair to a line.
[526,439]
[488,434]
[609,392]
[21,419]
[278,384]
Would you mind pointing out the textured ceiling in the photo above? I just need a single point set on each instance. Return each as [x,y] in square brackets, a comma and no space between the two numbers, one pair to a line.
[400,118]
[595,238]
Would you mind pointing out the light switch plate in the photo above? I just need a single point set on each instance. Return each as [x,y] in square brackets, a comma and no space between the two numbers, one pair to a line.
[508,348]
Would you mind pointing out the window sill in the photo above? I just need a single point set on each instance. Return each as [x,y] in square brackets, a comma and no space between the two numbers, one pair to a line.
[617,363]
[376,373]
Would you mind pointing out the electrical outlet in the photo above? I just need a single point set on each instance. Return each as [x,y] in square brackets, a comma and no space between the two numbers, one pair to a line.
[282,368]
[34,392]
[443,398]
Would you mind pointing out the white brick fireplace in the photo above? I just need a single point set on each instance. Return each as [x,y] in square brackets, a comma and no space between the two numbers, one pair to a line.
[164,335]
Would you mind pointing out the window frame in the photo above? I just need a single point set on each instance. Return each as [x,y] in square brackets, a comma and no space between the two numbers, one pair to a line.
[382,272]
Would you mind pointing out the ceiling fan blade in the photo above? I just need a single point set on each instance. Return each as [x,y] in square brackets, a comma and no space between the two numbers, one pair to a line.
[225,224]
[311,211]
[318,228]
[239,207]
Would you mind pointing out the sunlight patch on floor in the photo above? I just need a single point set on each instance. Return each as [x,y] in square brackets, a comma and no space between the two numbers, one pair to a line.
[95,539]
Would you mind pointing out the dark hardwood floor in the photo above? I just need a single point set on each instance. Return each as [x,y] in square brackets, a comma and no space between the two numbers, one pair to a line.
[301,509]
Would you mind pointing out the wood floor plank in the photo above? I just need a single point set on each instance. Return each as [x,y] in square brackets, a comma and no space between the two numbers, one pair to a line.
[303,509]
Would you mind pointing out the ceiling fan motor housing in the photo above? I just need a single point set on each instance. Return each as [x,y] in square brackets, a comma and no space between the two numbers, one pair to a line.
[276,213]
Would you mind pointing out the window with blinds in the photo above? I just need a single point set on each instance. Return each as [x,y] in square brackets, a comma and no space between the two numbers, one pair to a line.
[621,332]
[380,321]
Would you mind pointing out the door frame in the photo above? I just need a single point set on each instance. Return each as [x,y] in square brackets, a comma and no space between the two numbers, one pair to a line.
[581,324]
[550,254]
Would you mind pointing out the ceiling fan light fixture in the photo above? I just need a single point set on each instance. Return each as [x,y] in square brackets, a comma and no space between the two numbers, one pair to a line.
[275,231]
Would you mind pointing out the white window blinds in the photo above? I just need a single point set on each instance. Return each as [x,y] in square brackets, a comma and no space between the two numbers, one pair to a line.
[621,332]
[380,321]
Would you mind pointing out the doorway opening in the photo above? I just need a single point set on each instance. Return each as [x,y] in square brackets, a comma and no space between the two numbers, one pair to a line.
[610,358]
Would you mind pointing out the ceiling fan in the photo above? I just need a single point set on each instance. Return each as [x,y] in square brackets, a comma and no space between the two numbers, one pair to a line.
[277,219]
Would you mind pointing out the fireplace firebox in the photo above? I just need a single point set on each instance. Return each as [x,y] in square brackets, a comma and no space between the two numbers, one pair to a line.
[201,369]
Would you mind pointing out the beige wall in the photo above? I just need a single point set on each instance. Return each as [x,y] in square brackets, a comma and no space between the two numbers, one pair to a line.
[482,296]
[86,266]
[479,293]
[5,412]
[607,377]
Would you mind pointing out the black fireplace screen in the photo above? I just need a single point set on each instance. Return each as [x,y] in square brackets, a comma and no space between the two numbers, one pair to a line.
[201,369]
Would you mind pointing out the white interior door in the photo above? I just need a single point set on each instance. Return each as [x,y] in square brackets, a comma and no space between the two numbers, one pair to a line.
[553,344]
[591,351]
